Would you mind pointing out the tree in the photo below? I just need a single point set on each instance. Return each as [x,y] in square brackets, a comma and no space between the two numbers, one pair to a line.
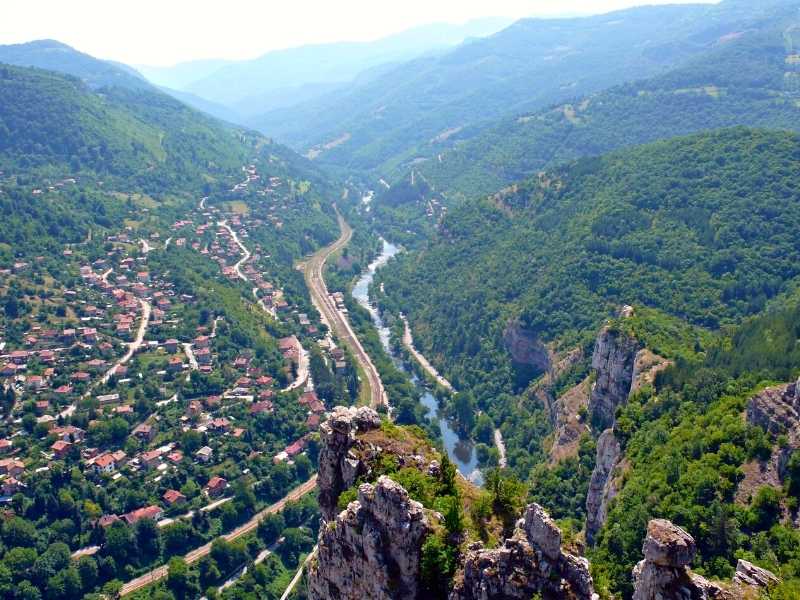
[270,527]
[120,542]
[179,579]
[18,532]
[87,569]
[484,429]
[465,408]
[148,537]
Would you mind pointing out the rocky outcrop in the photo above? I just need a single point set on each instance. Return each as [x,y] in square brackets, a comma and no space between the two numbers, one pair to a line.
[749,575]
[613,361]
[664,574]
[777,411]
[568,426]
[525,347]
[372,549]
[603,485]
[530,562]
[646,365]
[339,467]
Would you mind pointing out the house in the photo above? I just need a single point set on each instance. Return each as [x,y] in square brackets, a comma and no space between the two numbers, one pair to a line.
[204,454]
[6,446]
[60,449]
[104,463]
[144,432]
[151,459]
[308,398]
[295,448]
[175,364]
[215,486]
[257,408]
[202,341]
[107,520]
[203,356]
[174,498]
[148,512]
[69,433]
[194,409]
[11,486]
[12,467]
[219,424]
[312,422]
[175,457]
[171,345]
[19,357]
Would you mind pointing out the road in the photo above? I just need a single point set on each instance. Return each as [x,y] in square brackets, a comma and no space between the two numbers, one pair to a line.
[238,266]
[135,344]
[161,572]
[314,269]
[408,342]
[298,575]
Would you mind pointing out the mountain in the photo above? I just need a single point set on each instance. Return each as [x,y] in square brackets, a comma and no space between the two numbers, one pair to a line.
[747,79]
[179,76]
[284,77]
[115,141]
[55,56]
[409,113]
[695,227]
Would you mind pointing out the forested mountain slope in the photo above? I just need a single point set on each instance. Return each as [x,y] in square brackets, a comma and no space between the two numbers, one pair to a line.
[55,56]
[114,142]
[698,227]
[409,113]
[752,80]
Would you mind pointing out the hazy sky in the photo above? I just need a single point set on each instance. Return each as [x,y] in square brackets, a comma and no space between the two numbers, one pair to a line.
[163,32]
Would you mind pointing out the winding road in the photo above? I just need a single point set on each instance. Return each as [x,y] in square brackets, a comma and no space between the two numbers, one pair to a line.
[314,269]
[238,266]
[161,572]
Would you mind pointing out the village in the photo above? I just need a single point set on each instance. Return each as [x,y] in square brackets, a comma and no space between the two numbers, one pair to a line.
[154,391]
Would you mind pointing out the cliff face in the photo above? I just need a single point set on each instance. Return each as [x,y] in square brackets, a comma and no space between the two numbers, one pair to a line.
[602,485]
[530,562]
[339,467]
[613,361]
[372,549]
[777,411]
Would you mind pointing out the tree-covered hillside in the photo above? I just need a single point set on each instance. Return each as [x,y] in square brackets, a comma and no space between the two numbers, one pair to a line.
[698,227]
[410,112]
[747,80]
[72,158]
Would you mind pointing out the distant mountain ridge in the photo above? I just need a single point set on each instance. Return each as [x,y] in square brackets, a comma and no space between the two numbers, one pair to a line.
[409,112]
[55,56]
[284,77]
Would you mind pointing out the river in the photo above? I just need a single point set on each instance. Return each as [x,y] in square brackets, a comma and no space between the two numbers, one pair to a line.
[461,452]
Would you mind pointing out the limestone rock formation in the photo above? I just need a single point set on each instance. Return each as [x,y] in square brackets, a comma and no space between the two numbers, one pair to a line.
[777,411]
[748,574]
[603,485]
[568,427]
[664,573]
[338,466]
[529,562]
[372,549]
[526,348]
[613,361]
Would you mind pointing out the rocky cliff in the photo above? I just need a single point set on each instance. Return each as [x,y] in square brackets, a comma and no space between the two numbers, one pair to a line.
[530,562]
[613,361]
[339,466]
[373,548]
[603,485]
[777,411]
[664,573]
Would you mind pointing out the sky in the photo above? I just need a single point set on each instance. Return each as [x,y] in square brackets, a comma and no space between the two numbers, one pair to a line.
[164,32]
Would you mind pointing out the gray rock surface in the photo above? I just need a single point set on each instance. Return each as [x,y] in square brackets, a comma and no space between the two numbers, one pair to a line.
[529,562]
[372,548]
[338,468]
[602,485]
[613,360]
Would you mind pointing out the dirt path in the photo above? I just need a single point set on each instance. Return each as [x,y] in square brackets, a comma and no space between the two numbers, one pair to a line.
[238,266]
